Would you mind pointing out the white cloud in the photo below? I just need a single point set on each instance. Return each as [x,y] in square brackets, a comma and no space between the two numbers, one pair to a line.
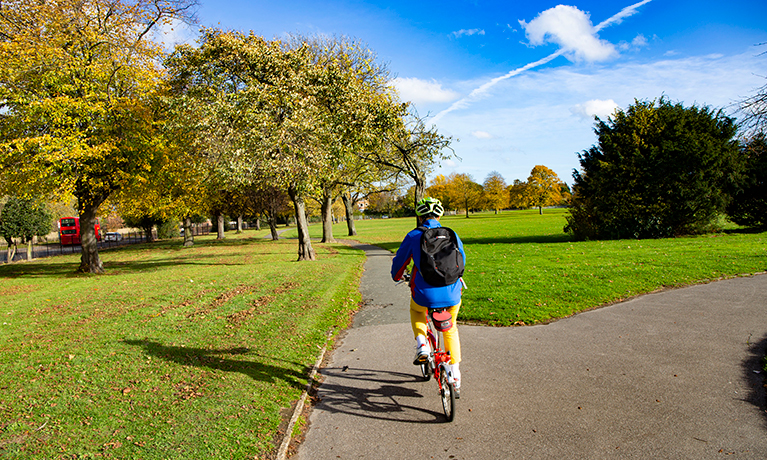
[571,29]
[481,135]
[636,44]
[595,107]
[639,41]
[423,91]
[468,32]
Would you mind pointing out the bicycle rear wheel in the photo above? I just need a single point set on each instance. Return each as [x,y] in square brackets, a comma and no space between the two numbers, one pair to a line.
[448,395]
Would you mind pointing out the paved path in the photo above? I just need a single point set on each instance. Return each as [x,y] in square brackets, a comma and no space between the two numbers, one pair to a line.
[667,375]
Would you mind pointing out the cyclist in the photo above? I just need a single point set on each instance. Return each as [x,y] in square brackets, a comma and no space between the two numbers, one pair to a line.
[425,296]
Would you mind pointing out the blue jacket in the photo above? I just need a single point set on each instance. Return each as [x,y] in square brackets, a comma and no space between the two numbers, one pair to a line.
[423,293]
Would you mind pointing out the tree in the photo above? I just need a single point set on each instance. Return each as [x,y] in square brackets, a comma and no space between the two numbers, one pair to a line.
[411,148]
[23,218]
[254,103]
[440,189]
[543,188]
[350,91]
[754,110]
[749,192]
[464,192]
[659,169]
[495,191]
[78,80]
[518,196]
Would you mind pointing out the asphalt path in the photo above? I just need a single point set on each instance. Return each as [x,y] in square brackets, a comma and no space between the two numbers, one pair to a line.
[671,375]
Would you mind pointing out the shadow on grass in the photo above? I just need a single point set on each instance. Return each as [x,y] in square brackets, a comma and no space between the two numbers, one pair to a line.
[213,359]
[68,269]
[558,238]
[755,376]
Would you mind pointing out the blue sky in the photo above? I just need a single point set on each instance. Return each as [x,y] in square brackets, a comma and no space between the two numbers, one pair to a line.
[517,83]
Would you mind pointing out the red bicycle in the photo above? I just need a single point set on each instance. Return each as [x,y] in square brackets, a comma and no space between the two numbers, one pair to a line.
[438,364]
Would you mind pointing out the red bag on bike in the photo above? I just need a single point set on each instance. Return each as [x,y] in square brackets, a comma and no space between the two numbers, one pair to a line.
[443,320]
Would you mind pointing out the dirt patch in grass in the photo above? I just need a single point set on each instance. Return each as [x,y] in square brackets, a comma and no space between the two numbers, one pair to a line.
[257,308]
[14,290]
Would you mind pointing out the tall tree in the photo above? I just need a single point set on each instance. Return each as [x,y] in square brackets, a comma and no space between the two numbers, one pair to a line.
[464,192]
[543,188]
[261,119]
[439,188]
[495,191]
[351,91]
[659,169]
[78,80]
[518,196]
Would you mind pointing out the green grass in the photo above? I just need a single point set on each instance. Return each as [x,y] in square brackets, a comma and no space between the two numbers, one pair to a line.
[522,269]
[174,354]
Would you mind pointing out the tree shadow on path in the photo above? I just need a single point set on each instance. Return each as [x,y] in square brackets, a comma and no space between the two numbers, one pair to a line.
[756,377]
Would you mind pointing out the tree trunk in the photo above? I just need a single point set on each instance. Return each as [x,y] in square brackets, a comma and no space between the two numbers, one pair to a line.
[327,216]
[90,262]
[540,210]
[239,224]
[418,192]
[220,226]
[349,208]
[188,234]
[29,249]
[11,250]
[149,234]
[305,250]
[258,223]
[273,226]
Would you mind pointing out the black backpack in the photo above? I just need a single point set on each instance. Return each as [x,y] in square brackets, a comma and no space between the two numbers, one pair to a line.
[441,261]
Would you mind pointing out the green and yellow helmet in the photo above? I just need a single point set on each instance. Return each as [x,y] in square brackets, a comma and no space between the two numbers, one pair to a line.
[429,205]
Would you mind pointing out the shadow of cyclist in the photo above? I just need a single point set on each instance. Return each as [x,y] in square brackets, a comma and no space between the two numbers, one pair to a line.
[385,396]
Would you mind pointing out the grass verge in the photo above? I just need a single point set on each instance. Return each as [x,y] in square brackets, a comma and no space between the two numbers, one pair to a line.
[174,354]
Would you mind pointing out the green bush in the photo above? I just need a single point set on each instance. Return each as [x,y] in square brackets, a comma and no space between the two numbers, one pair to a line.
[658,170]
[168,229]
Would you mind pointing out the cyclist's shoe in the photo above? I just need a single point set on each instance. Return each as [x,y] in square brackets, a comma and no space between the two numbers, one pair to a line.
[456,374]
[422,354]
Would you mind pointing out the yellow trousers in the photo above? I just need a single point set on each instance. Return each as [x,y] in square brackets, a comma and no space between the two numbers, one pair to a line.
[418,320]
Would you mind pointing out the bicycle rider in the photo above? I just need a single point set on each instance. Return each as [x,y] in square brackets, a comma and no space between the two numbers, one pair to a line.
[424,296]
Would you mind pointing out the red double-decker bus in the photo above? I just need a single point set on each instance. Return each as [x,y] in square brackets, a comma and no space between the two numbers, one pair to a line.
[69,230]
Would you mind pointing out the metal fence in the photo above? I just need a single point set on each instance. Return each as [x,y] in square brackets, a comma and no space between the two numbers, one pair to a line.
[50,249]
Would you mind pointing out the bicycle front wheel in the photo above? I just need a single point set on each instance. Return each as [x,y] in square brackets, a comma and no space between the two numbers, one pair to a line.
[426,371]
[448,395]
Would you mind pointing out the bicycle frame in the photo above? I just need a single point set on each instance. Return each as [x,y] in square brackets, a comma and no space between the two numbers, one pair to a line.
[439,360]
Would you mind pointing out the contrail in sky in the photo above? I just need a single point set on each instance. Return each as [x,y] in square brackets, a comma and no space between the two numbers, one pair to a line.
[476,93]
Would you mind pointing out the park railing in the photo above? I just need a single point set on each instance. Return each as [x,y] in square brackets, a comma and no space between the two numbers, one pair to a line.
[46,248]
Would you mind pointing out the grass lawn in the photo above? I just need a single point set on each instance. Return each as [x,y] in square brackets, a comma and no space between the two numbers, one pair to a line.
[522,268]
[174,354]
